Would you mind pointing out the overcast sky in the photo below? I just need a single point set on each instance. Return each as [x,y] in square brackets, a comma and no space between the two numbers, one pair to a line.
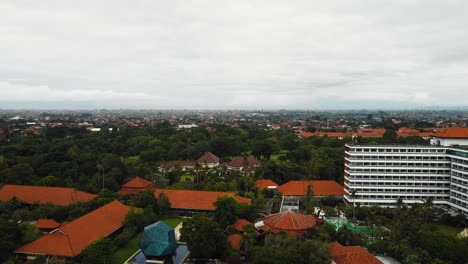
[233,54]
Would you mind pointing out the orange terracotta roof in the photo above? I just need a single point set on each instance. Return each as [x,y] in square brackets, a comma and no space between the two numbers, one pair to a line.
[378,132]
[319,188]
[208,157]
[238,162]
[137,185]
[351,255]
[453,132]
[38,194]
[46,224]
[290,222]
[197,200]
[405,132]
[265,184]
[235,241]
[322,134]
[71,238]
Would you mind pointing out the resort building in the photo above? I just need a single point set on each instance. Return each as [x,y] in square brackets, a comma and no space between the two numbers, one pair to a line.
[65,244]
[188,202]
[44,195]
[292,223]
[381,174]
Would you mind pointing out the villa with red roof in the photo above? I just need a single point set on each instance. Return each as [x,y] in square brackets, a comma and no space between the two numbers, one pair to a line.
[187,202]
[137,185]
[68,241]
[318,188]
[209,160]
[247,164]
[44,195]
[351,255]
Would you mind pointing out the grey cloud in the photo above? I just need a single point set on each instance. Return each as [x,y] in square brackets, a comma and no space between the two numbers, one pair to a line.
[228,54]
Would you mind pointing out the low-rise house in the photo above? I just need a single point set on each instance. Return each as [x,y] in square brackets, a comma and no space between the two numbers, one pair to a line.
[188,202]
[247,164]
[44,195]
[137,185]
[65,244]
[182,164]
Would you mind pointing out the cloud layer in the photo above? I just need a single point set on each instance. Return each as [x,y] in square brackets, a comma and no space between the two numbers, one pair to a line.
[234,54]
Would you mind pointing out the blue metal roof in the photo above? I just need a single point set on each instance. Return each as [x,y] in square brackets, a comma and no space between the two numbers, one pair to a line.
[158,240]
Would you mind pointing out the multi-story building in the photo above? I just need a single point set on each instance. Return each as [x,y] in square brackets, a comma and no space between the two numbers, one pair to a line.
[381,174]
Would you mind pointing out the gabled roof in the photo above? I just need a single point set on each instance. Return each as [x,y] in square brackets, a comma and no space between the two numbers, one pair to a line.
[71,238]
[319,188]
[238,162]
[196,200]
[288,221]
[265,184]
[137,185]
[351,255]
[39,194]
[46,224]
[453,132]
[208,157]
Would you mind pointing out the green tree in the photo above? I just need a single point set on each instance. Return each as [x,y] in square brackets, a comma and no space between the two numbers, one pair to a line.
[204,237]
[100,251]
[227,209]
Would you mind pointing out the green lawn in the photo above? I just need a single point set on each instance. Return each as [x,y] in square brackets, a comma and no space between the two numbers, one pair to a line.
[122,254]
[449,230]
[172,222]
[275,157]
[185,178]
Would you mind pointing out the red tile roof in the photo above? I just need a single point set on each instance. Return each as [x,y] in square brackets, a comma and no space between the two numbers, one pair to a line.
[453,132]
[46,224]
[238,162]
[235,241]
[351,255]
[196,200]
[71,238]
[54,195]
[290,222]
[319,188]
[265,184]
[208,157]
[378,132]
[137,185]
[240,223]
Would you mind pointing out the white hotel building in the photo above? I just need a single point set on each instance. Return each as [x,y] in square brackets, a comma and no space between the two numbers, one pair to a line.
[381,174]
